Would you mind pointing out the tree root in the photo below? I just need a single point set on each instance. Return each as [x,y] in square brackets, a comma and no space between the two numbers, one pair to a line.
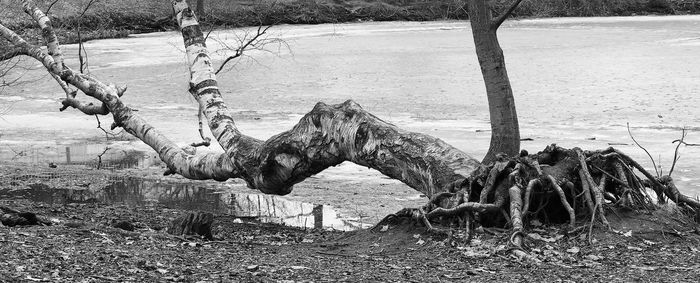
[564,202]
[331,134]
[513,186]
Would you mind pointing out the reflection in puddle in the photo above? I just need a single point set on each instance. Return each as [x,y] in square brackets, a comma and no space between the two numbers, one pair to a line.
[139,192]
[108,157]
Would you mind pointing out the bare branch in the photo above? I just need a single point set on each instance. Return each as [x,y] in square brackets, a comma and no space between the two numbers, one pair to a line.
[82,54]
[6,67]
[498,21]
[48,10]
[52,45]
[675,152]
[87,109]
[685,143]
[99,157]
[14,52]
[206,141]
[50,38]
[645,150]
[254,41]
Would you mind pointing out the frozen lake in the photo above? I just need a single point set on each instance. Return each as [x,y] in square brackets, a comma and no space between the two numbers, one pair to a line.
[577,82]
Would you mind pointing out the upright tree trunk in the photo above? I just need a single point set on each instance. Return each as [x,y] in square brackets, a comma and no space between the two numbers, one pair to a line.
[505,133]
[200,10]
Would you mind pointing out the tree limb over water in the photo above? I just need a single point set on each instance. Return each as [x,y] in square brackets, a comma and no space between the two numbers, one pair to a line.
[580,183]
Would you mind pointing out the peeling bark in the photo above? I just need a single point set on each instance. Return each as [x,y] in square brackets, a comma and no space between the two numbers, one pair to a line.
[326,136]
[331,134]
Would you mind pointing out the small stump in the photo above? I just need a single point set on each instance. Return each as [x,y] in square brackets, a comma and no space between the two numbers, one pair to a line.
[193,223]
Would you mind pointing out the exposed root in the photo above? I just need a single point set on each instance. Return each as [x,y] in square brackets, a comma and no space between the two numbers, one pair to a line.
[587,192]
[564,202]
[528,191]
[674,194]
[596,189]
[510,190]
[516,203]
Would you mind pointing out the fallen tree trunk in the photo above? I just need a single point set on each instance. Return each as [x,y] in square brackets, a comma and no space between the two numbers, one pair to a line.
[555,185]
[326,136]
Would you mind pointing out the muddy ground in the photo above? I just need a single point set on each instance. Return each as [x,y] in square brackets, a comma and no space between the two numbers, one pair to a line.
[83,246]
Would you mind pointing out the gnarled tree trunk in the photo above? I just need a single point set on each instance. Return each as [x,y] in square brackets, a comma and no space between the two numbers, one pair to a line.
[456,183]
[326,136]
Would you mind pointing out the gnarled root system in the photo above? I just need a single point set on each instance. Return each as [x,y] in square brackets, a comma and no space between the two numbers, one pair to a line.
[556,185]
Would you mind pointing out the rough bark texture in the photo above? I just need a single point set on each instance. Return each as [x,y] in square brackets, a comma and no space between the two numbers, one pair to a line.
[326,136]
[458,186]
[505,132]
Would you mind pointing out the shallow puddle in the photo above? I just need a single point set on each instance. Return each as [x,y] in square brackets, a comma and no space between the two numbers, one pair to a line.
[188,196]
[94,155]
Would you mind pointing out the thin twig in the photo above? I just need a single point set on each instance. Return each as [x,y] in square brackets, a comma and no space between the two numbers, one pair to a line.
[239,51]
[497,23]
[645,150]
[99,157]
[82,54]
[675,153]
[51,6]
[107,133]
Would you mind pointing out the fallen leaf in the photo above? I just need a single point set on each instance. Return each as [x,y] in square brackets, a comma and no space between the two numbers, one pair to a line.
[593,257]
[645,268]
[420,242]
[538,237]
[573,250]
[484,270]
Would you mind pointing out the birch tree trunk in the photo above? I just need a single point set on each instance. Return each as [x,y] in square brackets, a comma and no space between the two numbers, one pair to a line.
[331,134]
[327,136]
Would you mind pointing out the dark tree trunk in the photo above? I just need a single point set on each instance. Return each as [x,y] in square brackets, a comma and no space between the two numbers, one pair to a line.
[200,10]
[505,132]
